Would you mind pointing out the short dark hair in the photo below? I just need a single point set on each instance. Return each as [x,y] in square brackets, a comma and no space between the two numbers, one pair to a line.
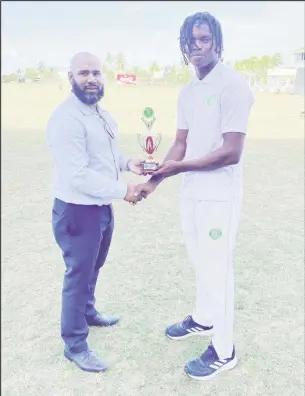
[186,32]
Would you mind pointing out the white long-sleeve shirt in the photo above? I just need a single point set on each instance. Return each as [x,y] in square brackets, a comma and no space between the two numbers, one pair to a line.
[87,160]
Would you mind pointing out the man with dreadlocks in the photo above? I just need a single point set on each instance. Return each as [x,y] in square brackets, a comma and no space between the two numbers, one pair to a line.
[212,120]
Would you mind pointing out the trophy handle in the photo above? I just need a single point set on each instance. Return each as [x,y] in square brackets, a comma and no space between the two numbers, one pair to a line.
[158,139]
[140,141]
[152,122]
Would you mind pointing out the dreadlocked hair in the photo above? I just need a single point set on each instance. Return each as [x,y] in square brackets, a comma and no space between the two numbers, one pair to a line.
[186,32]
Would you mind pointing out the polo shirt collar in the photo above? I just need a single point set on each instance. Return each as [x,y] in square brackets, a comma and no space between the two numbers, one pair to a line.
[210,77]
[84,108]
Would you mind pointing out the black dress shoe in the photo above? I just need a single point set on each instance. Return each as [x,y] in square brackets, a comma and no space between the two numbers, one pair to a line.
[87,361]
[102,320]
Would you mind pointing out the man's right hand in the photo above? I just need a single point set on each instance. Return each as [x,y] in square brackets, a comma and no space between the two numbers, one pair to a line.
[131,195]
[145,189]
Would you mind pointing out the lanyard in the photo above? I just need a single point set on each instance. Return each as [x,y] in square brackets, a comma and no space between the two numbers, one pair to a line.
[111,135]
[106,125]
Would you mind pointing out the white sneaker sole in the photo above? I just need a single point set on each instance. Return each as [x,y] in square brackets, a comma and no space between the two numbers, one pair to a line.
[228,366]
[206,333]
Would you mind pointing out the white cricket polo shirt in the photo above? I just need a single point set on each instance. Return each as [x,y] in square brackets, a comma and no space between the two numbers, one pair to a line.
[208,108]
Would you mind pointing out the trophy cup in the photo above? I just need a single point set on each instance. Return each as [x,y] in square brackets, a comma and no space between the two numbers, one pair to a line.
[148,140]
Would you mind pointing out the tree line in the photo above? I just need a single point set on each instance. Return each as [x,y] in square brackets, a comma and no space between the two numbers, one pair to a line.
[255,70]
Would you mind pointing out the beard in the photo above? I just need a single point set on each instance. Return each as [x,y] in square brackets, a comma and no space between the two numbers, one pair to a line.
[89,98]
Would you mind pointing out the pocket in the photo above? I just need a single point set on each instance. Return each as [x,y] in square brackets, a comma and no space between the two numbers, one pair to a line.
[59,207]
[64,219]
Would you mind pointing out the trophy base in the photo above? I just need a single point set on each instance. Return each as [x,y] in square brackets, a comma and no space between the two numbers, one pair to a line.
[149,166]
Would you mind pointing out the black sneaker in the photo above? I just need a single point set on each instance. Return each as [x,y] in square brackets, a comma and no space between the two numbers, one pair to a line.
[187,328]
[209,365]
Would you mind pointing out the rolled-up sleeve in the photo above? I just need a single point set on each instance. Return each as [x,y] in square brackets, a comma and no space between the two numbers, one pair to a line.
[123,163]
[67,142]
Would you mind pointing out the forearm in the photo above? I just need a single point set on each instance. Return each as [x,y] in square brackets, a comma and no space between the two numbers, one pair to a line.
[176,153]
[217,159]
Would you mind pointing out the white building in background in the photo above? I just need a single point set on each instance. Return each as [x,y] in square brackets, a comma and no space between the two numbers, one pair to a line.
[299,57]
[289,77]
[300,71]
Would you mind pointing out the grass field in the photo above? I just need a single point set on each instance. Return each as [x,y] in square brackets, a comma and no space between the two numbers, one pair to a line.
[147,278]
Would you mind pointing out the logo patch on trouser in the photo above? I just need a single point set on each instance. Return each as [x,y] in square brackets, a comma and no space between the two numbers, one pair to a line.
[215,233]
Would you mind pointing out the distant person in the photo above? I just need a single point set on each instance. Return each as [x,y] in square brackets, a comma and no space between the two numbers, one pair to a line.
[82,138]
[213,114]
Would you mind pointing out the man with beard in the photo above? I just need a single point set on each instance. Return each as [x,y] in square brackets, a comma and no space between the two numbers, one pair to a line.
[82,138]
[213,113]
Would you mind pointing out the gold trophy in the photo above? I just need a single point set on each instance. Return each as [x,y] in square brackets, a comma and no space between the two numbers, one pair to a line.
[148,140]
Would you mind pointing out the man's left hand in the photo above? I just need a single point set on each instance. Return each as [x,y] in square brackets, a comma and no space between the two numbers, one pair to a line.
[168,168]
[135,166]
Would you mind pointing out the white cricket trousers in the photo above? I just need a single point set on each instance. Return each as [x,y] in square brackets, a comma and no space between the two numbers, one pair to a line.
[209,229]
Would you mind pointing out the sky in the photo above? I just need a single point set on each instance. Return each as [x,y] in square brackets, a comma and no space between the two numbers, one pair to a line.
[53,31]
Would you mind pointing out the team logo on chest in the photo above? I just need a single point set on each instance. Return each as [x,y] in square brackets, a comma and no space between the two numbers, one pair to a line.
[210,100]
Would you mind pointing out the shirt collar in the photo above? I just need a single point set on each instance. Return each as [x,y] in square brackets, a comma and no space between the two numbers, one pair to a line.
[209,77]
[84,108]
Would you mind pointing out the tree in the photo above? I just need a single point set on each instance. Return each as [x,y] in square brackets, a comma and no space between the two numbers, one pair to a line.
[41,67]
[109,62]
[277,60]
[154,68]
[10,78]
[120,62]
[31,74]
[171,74]
[50,73]
[184,73]
[109,74]
[238,66]
[256,69]
[265,63]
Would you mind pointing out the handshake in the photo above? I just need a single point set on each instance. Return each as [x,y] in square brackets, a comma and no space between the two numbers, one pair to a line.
[136,192]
